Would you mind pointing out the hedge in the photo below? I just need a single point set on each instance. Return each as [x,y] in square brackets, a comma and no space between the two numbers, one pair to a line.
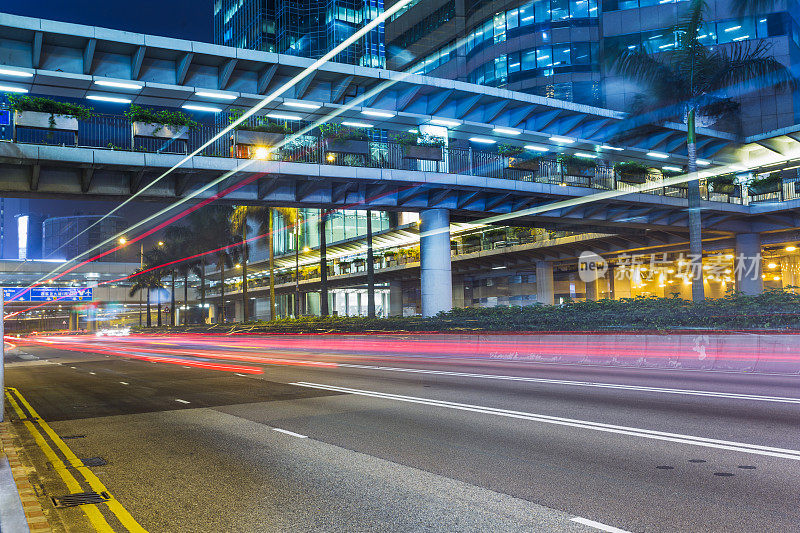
[773,309]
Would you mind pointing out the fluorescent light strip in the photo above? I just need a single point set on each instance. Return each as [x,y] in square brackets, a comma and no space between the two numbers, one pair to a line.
[10,89]
[536,148]
[658,155]
[482,140]
[281,116]
[607,147]
[357,124]
[507,131]
[443,122]
[703,162]
[17,73]
[191,107]
[585,155]
[219,96]
[384,114]
[302,105]
[111,99]
[561,140]
[672,169]
[118,84]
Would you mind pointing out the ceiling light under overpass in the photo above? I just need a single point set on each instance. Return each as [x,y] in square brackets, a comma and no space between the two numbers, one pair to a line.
[218,96]
[302,105]
[444,122]
[561,140]
[537,148]
[16,73]
[118,84]
[112,99]
[382,114]
[482,140]
[585,155]
[11,89]
[658,155]
[672,169]
[608,147]
[357,124]
[281,116]
[207,109]
[507,131]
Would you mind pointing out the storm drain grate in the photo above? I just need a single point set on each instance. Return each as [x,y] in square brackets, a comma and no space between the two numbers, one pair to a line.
[81,498]
[94,461]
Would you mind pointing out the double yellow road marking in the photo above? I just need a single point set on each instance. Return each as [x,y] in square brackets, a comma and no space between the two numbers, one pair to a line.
[70,467]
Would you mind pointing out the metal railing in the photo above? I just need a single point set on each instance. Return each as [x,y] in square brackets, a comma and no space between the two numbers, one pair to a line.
[113,132]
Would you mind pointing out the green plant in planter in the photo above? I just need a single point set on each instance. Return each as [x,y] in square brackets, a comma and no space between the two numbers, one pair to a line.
[261,124]
[577,163]
[632,171]
[770,183]
[509,150]
[164,117]
[38,104]
[722,184]
[411,139]
[521,233]
[337,132]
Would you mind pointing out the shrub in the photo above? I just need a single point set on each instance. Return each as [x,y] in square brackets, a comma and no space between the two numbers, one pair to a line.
[337,132]
[53,107]
[165,117]
[631,167]
[509,150]
[259,124]
[576,162]
[407,138]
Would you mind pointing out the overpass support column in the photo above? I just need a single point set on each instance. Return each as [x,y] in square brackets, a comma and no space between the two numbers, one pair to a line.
[395,298]
[73,320]
[747,267]
[434,245]
[545,287]
[591,290]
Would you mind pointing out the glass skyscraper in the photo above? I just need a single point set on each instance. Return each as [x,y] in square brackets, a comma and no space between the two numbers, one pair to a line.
[307,29]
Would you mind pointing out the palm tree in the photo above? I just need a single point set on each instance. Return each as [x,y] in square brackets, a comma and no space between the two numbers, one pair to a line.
[146,282]
[263,216]
[180,240]
[154,258]
[211,229]
[690,80]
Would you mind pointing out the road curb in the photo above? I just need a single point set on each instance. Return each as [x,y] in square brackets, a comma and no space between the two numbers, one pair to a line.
[20,509]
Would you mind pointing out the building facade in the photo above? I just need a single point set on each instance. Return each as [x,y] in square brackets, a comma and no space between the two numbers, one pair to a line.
[561,48]
[307,29]
[67,237]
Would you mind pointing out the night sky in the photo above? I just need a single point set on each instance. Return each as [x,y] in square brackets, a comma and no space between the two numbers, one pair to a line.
[182,19]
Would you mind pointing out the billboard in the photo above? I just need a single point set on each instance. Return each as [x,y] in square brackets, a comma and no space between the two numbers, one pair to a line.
[48,294]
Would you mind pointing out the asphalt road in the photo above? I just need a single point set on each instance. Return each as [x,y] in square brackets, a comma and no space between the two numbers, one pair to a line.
[318,441]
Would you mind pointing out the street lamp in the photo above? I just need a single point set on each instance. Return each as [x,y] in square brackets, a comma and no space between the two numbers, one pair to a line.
[123,241]
[161,243]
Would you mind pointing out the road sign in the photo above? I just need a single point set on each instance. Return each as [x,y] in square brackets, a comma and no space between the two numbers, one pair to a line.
[47,294]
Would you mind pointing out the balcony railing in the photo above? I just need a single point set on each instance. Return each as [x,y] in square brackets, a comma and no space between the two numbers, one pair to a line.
[113,132]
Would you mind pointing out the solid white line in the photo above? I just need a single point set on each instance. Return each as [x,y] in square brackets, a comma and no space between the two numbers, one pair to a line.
[641,388]
[124,382]
[571,422]
[598,525]
[292,433]
[182,401]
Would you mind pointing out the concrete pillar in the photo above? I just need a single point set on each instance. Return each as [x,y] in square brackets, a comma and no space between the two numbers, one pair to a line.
[73,320]
[434,243]
[591,288]
[395,298]
[238,310]
[790,271]
[747,267]
[545,287]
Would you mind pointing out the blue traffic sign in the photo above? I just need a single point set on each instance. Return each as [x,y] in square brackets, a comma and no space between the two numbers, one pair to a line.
[47,294]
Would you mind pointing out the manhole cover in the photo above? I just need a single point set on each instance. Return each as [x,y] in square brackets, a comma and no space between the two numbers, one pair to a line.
[94,461]
[80,498]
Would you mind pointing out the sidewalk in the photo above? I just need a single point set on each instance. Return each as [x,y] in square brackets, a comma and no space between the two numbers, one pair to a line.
[20,509]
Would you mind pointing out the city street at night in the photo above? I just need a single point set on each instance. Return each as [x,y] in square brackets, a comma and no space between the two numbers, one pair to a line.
[349,440]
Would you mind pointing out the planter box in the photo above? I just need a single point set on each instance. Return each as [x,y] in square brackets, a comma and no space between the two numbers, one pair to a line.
[159,131]
[38,120]
[426,153]
[727,188]
[636,179]
[261,138]
[347,147]
[579,171]
[523,164]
